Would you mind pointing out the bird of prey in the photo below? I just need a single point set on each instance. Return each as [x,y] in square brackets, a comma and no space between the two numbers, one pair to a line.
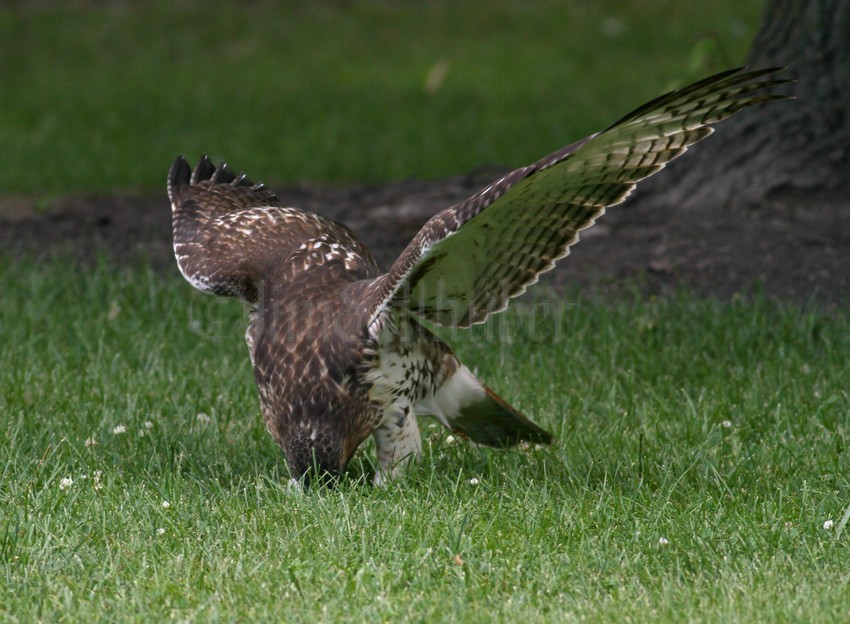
[337,348]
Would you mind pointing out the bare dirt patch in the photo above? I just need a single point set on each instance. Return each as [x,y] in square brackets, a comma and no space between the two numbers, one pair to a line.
[795,248]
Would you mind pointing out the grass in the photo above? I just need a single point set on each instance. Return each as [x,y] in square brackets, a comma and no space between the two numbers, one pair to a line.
[98,97]
[720,427]
[702,447]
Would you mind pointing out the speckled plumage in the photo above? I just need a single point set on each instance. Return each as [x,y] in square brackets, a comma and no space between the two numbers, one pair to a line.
[337,351]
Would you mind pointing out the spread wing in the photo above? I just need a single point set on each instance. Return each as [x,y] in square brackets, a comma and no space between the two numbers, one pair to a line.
[469,260]
[229,232]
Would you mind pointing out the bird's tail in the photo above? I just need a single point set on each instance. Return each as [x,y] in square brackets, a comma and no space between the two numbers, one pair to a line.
[474,411]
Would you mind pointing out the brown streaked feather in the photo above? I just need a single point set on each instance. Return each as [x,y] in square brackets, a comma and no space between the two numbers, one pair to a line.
[470,259]
[229,232]
[307,347]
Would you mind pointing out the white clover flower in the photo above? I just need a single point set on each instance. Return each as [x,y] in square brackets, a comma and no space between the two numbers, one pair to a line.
[451,439]
[203,418]
[166,504]
[148,424]
[473,481]
[663,541]
[65,483]
[91,442]
[160,531]
[726,424]
[119,429]
[114,311]
[827,525]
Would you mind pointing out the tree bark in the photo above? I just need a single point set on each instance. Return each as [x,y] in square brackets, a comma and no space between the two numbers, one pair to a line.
[797,148]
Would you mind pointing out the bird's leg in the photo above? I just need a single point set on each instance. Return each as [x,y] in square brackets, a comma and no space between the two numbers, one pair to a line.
[398,444]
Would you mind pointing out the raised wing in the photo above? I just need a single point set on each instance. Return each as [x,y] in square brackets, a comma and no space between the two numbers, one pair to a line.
[230,233]
[469,260]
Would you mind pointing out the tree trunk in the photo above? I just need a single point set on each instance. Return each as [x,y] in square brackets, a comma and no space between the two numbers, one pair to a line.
[797,148]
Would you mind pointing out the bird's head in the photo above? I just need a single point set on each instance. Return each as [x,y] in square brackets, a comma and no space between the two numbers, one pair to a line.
[317,457]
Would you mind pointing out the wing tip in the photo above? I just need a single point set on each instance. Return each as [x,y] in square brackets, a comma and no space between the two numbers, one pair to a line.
[203,170]
[179,173]
[206,171]
[223,174]
[737,76]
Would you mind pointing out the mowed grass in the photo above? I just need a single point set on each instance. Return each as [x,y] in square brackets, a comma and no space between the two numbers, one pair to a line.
[702,457]
[102,96]
[700,470]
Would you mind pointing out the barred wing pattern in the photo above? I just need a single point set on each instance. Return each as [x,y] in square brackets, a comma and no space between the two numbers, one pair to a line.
[230,233]
[469,260]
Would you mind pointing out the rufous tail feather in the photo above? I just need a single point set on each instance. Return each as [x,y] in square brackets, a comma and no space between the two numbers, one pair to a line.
[492,421]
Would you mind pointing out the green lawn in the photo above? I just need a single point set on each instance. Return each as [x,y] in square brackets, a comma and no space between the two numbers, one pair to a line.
[702,464]
[98,99]
[701,447]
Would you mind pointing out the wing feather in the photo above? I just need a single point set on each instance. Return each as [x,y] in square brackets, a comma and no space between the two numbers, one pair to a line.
[469,260]
[230,234]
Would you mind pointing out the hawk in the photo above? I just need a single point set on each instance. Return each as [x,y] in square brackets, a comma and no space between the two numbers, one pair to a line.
[337,346]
